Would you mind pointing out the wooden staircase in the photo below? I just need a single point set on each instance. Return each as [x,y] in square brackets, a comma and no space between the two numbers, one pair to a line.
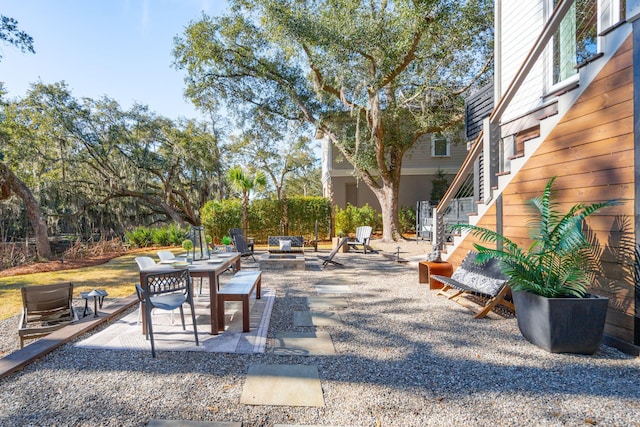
[537,126]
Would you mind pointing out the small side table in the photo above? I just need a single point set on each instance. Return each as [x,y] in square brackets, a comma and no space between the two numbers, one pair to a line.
[426,269]
[97,294]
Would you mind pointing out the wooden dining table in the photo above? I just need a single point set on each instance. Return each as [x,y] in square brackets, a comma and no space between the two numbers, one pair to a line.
[210,268]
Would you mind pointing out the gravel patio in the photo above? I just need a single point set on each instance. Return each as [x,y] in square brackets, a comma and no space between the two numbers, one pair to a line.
[402,358]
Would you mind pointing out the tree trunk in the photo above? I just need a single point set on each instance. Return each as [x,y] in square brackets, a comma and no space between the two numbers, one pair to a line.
[285,213]
[43,248]
[388,197]
[245,208]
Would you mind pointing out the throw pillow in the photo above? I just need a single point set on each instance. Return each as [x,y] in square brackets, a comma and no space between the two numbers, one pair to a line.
[285,245]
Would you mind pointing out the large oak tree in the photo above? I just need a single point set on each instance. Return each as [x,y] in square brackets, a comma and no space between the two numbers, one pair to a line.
[371,75]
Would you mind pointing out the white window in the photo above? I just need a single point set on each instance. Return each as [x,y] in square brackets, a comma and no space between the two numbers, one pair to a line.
[576,41]
[610,12]
[440,146]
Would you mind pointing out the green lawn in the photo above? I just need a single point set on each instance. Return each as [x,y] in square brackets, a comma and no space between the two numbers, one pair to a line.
[117,277]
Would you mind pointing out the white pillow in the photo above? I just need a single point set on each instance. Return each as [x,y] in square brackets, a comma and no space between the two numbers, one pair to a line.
[285,245]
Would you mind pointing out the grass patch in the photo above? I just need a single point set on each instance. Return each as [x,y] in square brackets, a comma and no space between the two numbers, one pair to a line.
[117,277]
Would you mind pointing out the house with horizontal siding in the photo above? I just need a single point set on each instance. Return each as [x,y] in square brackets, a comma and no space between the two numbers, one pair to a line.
[567,92]
[420,167]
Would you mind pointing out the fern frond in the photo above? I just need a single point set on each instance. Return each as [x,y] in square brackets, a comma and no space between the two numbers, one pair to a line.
[560,260]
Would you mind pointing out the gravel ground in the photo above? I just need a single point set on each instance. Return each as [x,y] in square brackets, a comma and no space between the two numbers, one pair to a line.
[403,358]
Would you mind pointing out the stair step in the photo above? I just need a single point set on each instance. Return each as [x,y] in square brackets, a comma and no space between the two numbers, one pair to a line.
[547,114]
[504,173]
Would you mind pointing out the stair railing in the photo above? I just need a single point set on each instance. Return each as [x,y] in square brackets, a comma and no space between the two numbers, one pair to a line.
[488,139]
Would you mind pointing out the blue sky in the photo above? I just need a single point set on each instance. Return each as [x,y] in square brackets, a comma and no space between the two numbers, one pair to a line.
[118,48]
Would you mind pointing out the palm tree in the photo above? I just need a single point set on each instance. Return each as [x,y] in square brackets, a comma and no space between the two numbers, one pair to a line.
[243,182]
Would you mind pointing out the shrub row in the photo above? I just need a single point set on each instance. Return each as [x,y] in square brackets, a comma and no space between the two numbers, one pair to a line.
[143,237]
[265,217]
[351,217]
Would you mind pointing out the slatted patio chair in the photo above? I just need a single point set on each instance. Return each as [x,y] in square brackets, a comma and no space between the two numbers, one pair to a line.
[235,232]
[363,237]
[166,256]
[485,280]
[329,259]
[45,309]
[166,291]
[242,247]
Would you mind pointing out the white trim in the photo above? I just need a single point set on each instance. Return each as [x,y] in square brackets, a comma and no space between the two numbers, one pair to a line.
[608,14]
[405,172]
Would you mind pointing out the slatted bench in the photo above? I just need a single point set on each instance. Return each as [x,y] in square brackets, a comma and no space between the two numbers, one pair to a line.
[481,279]
[239,288]
[295,244]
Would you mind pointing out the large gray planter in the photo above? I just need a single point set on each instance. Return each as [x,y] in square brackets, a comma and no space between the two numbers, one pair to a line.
[561,325]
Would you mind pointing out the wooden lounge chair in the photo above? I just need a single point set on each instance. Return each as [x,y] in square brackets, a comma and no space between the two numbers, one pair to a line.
[363,237]
[469,278]
[329,259]
[45,309]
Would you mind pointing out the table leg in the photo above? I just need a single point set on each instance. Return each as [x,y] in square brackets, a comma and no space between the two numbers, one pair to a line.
[213,301]
[143,278]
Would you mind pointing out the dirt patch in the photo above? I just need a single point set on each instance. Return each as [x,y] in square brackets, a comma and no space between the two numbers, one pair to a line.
[44,267]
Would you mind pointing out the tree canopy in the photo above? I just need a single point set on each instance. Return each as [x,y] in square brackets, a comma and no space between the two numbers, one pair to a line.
[11,34]
[372,76]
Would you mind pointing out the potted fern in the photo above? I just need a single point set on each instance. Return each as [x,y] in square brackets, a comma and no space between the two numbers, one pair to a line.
[550,279]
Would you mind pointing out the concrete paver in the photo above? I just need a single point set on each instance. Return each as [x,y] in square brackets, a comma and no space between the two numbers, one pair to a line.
[321,302]
[282,385]
[186,423]
[316,318]
[317,343]
[333,289]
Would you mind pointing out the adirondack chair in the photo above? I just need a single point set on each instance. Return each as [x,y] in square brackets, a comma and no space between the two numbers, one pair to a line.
[363,237]
[242,246]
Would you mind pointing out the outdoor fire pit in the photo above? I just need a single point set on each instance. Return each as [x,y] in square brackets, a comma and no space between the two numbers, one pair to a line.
[282,261]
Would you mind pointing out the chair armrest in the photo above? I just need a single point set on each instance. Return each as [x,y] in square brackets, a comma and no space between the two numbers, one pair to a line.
[140,292]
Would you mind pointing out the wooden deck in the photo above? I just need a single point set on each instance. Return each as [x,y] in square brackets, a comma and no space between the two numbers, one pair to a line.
[19,359]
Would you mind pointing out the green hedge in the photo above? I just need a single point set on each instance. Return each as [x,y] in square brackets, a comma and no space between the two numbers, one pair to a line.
[169,235]
[351,217]
[407,218]
[218,216]
[265,216]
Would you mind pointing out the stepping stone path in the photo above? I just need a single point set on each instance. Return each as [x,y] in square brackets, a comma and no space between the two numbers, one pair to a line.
[299,385]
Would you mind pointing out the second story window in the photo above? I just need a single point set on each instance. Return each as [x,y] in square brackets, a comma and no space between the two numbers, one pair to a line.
[576,41]
[440,146]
